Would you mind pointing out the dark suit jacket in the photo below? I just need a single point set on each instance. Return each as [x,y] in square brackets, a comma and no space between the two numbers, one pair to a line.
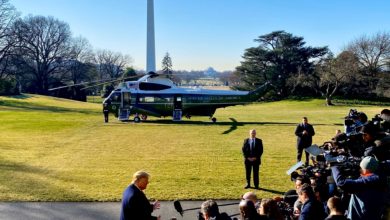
[304,140]
[135,205]
[312,210]
[257,151]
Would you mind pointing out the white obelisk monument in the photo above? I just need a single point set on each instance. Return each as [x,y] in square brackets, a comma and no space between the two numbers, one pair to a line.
[150,51]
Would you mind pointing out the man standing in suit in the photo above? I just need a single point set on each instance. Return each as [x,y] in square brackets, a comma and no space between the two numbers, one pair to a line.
[252,151]
[135,205]
[304,133]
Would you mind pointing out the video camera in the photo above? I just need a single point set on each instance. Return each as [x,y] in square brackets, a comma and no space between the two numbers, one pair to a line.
[376,121]
[353,113]
[349,165]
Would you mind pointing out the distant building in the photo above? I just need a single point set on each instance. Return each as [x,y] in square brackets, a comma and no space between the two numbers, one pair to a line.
[210,72]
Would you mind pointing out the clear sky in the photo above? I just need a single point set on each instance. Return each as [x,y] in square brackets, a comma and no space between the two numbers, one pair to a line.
[211,33]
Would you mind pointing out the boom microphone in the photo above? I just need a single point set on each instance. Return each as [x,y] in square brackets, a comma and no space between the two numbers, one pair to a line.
[178,207]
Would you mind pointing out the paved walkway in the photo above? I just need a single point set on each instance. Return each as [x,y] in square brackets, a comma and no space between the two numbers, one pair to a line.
[100,210]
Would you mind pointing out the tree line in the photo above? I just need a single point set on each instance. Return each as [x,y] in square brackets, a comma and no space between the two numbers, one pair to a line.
[38,53]
[362,69]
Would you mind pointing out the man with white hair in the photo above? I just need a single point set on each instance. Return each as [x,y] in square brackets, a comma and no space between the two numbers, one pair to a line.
[367,192]
[252,150]
[135,205]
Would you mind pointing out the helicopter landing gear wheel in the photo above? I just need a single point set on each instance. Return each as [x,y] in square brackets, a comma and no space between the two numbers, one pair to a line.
[137,119]
[144,117]
[214,119]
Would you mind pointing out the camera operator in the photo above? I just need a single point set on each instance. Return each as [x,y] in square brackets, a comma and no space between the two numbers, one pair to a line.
[367,192]
[354,121]
[375,143]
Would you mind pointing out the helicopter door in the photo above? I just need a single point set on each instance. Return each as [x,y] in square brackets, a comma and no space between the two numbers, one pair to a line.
[124,111]
[177,107]
[126,100]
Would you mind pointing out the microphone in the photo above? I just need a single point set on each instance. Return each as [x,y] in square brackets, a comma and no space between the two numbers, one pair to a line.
[178,207]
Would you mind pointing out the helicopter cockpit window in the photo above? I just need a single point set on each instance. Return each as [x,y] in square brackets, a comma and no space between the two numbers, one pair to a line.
[152,86]
[116,97]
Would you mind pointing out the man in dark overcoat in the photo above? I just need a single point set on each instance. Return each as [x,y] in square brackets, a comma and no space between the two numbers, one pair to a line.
[252,150]
[304,133]
[135,205]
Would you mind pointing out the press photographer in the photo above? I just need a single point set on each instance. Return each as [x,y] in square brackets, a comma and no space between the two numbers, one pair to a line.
[367,192]
[353,121]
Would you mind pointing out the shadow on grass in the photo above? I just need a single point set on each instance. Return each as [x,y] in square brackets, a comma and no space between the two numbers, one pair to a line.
[269,190]
[223,123]
[39,107]
[272,191]
[31,184]
[233,124]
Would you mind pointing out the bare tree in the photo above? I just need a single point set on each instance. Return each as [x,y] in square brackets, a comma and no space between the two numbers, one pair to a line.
[80,66]
[43,44]
[336,72]
[111,65]
[8,15]
[373,52]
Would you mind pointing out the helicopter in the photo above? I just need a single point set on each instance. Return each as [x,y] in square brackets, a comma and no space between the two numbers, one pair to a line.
[156,95]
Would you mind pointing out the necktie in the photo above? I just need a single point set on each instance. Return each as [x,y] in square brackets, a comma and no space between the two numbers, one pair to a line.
[252,145]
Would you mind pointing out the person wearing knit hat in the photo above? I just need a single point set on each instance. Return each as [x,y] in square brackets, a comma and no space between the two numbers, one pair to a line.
[367,192]
[369,163]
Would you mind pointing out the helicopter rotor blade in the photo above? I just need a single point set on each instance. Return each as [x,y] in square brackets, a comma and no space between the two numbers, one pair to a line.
[96,81]
[111,81]
[78,84]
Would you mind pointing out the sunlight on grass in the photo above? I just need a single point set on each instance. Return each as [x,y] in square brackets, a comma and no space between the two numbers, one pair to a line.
[60,150]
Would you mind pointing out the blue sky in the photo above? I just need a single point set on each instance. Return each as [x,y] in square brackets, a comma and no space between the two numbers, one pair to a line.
[211,33]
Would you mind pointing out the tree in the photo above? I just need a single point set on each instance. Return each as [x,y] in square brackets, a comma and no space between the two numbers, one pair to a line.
[334,73]
[111,65]
[79,69]
[43,44]
[8,15]
[167,65]
[129,73]
[278,56]
[80,65]
[373,52]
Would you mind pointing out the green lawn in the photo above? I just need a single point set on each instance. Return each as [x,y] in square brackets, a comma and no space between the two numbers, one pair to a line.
[60,150]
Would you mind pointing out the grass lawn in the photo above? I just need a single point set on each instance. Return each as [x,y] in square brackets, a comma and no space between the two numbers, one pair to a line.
[60,150]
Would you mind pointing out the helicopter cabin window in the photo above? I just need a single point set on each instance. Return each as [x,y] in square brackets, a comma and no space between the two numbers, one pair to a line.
[146,99]
[152,86]
[154,99]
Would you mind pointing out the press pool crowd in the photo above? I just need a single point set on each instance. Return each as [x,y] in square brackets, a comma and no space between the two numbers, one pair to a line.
[349,180]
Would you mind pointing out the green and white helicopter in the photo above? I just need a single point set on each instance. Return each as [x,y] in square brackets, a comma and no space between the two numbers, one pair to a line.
[158,96]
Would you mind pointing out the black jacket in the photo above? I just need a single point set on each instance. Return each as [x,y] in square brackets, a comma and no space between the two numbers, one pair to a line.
[304,140]
[256,152]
